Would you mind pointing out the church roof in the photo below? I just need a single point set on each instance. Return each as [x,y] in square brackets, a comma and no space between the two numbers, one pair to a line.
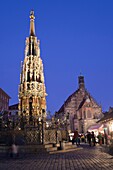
[68,99]
[86,95]
[82,103]
[79,97]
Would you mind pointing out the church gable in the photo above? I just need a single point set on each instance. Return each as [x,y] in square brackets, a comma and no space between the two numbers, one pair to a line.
[88,101]
[82,108]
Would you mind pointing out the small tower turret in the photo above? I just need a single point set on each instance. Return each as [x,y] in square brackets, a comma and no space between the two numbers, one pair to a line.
[81,82]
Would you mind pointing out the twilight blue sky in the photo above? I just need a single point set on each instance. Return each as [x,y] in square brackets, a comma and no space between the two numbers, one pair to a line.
[76,36]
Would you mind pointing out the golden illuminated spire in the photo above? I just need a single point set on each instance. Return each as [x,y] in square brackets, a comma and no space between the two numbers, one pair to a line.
[32,25]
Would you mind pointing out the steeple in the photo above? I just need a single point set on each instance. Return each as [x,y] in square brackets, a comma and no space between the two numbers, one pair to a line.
[32,25]
[81,82]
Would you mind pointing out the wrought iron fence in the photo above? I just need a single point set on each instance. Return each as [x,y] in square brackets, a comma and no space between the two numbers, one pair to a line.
[31,136]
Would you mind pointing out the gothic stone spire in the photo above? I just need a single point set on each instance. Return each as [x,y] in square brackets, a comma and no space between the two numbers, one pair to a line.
[32,91]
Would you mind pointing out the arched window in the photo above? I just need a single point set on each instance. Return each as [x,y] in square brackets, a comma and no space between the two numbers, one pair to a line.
[89,115]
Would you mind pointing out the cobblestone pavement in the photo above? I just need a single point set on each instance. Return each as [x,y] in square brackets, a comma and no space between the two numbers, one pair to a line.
[83,158]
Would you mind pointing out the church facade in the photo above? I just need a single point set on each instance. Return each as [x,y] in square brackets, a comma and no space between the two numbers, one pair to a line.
[32,91]
[81,108]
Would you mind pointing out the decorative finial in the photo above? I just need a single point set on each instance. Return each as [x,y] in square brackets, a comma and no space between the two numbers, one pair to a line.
[32,15]
[32,25]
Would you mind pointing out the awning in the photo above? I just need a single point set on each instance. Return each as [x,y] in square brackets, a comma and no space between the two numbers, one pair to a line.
[95,127]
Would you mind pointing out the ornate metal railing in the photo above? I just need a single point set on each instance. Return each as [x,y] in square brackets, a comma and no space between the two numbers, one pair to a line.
[31,136]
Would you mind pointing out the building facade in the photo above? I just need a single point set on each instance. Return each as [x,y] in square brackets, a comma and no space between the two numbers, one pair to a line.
[107,122]
[80,108]
[4,101]
[32,92]
[13,109]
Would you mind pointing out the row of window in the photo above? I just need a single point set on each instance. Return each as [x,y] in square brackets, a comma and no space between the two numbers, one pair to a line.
[86,115]
[2,97]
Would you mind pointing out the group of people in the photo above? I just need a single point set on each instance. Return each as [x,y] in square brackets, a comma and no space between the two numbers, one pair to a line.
[100,138]
[90,138]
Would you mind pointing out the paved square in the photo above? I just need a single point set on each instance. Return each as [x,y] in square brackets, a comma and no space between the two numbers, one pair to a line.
[82,158]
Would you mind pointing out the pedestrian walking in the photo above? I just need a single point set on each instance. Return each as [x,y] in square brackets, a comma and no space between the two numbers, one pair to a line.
[82,138]
[78,142]
[93,138]
[100,138]
[106,138]
[14,150]
[15,147]
[75,137]
[89,138]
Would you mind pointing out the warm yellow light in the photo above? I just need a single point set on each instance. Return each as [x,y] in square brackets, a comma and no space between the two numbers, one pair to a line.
[111,126]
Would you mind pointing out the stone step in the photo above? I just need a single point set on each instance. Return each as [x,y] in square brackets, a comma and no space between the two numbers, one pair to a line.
[51,149]
[66,150]
[70,147]
[48,145]
[67,143]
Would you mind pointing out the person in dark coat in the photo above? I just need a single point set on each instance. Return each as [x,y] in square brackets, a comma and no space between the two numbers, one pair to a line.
[89,138]
[75,137]
[93,138]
